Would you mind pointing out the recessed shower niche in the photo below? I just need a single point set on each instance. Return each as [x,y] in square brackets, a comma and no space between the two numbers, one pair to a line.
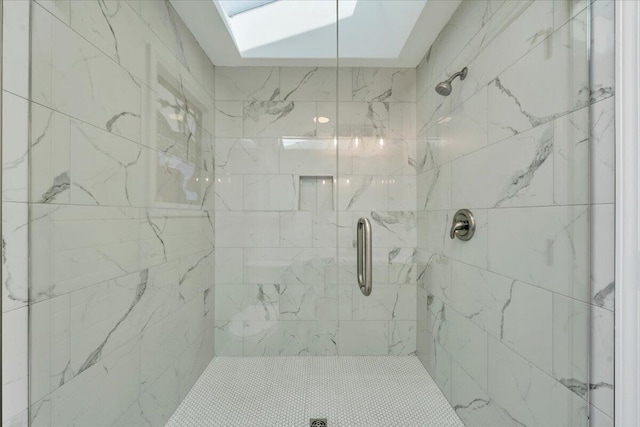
[316,193]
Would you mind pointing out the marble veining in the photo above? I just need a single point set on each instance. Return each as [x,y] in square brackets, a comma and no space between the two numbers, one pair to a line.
[521,181]
[61,183]
[97,353]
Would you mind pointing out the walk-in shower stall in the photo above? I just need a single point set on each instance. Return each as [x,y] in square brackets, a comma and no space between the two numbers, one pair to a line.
[311,212]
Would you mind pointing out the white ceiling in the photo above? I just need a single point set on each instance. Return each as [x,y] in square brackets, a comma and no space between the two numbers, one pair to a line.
[372,33]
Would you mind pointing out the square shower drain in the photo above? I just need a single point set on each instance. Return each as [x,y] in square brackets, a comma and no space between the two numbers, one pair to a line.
[318,422]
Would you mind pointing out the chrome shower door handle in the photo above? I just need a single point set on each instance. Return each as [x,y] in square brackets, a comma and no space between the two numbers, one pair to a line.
[363,231]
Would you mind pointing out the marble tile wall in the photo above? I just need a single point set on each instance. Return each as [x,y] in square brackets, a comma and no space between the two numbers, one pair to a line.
[15,131]
[120,214]
[294,172]
[503,320]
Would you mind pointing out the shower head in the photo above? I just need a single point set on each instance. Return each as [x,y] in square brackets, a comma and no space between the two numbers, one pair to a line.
[444,88]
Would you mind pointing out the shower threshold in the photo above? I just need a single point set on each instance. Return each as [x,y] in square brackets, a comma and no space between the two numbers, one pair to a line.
[347,391]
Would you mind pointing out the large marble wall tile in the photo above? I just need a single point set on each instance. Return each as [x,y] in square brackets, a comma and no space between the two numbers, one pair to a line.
[15,149]
[247,83]
[58,8]
[15,383]
[384,84]
[402,193]
[247,302]
[430,153]
[526,324]
[528,395]
[296,229]
[481,296]
[602,153]
[383,156]
[111,27]
[50,159]
[435,360]
[15,250]
[247,156]
[106,169]
[79,246]
[354,119]
[435,191]
[570,344]
[598,418]
[430,110]
[363,192]
[309,302]
[314,84]
[402,120]
[309,156]
[394,228]
[290,266]
[229,265]
[601,375]
[602,49]
[403,265]
[71,65]
[229,192]
[551,252]
[228,338]
[565,11]
[528,158]
[402,338]
[472,403]
[437,279]
[275,119]
[464,129]
[290,338]
[247,229]
[602,259]
[515,29]
[467,344]
[270,192]
[168,339]
[571,159]
[396,302]
[174,34]
[15,52]
[229,119]
[358,338]
[516,104]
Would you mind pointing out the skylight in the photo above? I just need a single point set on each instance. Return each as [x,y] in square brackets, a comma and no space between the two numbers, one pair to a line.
[292,29]
[238,6]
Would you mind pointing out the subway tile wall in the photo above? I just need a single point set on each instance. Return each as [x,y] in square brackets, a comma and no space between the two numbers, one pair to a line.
[503,319]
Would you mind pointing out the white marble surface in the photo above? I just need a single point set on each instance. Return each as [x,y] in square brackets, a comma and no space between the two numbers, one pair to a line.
[121,233]
[293,175]
[514,154]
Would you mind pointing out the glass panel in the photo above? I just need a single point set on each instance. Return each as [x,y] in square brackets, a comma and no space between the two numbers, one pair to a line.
[502,319]
[188,218]
[121,214]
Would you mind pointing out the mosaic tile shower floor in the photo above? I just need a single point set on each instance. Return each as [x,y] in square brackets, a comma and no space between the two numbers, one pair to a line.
[289,391]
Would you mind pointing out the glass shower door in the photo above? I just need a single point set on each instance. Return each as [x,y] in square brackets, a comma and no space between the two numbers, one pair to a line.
[500,321]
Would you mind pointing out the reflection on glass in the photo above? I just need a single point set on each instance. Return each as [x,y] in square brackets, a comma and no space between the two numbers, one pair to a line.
[179,134]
